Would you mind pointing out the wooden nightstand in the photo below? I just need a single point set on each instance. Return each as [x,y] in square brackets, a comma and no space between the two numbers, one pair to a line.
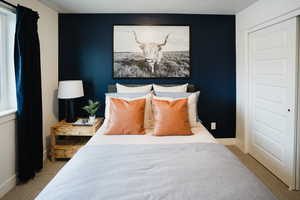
[66,139]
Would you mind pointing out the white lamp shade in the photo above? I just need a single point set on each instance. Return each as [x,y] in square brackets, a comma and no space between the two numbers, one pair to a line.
[70,89]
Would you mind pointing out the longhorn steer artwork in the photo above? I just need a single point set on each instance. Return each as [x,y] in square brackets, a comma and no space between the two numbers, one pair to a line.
[151,51]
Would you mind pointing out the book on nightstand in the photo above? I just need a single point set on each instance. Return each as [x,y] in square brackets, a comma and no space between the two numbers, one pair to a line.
[83,122]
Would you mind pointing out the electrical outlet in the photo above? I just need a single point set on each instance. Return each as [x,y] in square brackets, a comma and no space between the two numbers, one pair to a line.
[213,125]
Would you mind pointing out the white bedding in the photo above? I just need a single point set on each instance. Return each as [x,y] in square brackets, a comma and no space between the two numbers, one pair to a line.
[201,135]
[107,169]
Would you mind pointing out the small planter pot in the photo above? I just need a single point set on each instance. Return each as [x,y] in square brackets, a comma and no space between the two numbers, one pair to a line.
[92,119]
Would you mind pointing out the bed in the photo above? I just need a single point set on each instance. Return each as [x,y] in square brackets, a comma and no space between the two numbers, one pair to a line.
[135,167]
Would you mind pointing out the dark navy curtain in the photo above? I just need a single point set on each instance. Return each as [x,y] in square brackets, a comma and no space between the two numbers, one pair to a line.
[29,97]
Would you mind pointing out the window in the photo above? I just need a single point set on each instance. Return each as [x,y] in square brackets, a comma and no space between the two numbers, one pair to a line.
[7,76]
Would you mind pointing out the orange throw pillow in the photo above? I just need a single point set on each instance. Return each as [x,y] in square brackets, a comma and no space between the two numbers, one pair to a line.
[126,117]
[171,117]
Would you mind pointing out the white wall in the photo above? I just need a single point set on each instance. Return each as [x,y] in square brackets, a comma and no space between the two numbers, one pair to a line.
[7,154]
[259,14]
[48,33]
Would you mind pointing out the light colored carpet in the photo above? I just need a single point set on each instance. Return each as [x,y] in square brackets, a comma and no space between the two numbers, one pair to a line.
[31,189]
[279,189]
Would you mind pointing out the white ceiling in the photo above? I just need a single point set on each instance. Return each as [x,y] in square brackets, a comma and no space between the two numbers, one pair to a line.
[150,6]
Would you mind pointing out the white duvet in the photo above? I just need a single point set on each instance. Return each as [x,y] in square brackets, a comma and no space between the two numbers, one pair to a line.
[145,167]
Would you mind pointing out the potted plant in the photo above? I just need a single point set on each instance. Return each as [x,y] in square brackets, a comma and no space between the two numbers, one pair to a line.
[91,109]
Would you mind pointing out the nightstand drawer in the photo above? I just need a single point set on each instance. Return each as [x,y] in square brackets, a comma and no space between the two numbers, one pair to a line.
[68,129]
[73,132]
[65,151]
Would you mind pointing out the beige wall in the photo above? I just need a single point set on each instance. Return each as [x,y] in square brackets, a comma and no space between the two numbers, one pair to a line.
[48,33]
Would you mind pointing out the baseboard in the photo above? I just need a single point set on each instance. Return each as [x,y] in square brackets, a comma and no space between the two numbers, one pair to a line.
[227,141]
[7,185]
[240,145]
[44,155]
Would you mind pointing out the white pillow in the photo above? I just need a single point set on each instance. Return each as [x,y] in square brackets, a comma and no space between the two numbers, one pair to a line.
[192,106]
[178,88]
[136,89]
[148,121]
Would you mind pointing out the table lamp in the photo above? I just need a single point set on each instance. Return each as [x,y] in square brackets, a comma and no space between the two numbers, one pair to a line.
[70,90]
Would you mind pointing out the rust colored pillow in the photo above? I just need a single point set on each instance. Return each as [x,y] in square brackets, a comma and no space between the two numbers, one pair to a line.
[126,117]
[171,117]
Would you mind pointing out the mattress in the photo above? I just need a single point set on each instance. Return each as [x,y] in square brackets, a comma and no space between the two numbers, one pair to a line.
[201,135]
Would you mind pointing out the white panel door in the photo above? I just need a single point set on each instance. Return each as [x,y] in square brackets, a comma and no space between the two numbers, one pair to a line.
[273,68]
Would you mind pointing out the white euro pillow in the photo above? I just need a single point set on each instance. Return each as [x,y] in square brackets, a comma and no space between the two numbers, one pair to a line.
[133,89]
[177,88]
[148,120]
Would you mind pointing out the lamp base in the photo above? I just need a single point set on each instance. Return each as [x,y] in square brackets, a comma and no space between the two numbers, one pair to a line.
[70,113]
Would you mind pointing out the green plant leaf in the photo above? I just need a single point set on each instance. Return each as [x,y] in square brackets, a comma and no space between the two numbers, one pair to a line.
[92,107]
[94,110]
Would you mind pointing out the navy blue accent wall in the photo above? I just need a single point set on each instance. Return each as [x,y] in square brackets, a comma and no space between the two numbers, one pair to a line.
[85,52]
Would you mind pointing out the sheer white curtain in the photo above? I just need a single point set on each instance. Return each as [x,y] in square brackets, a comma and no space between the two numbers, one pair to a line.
[7,74]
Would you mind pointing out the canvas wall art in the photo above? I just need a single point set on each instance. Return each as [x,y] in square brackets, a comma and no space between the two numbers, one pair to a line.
[156,51]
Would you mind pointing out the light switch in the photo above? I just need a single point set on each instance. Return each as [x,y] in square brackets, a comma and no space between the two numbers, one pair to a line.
[213,126]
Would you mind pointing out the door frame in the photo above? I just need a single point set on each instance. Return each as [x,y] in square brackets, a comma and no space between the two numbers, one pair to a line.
[295,185]
[297,135]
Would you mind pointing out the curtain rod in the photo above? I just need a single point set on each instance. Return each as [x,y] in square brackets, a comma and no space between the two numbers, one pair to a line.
[7,3]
